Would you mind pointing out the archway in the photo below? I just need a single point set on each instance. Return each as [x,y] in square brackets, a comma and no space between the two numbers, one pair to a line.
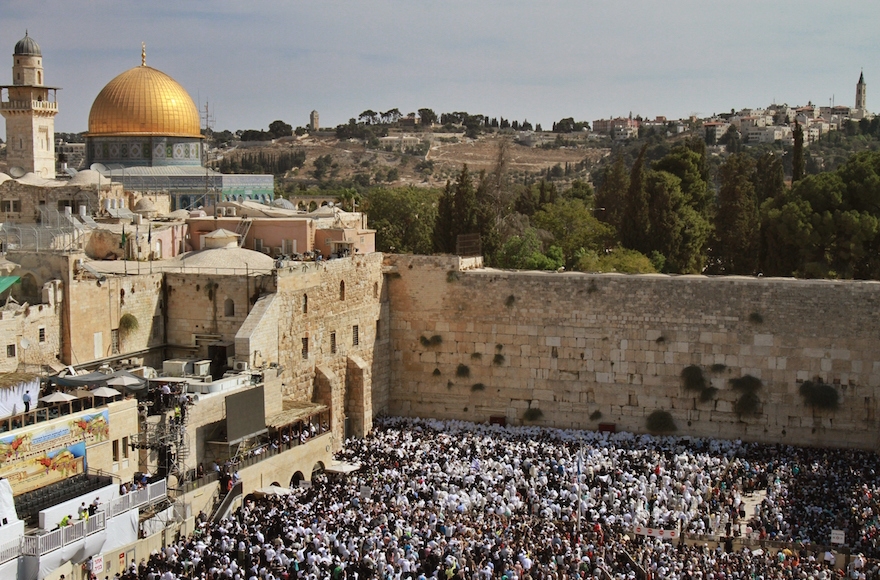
[275,483]
[296,478]
[317,469]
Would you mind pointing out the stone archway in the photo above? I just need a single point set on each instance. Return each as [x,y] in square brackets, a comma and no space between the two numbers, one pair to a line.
[296,478]
[317,469]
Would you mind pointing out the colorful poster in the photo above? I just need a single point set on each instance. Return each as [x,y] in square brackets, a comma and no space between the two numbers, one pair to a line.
[46,453]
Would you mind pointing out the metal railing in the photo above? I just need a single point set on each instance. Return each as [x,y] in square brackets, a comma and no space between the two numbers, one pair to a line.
[39,544]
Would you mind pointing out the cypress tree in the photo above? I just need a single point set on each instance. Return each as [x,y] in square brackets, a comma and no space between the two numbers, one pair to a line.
[635,228]
[797,160]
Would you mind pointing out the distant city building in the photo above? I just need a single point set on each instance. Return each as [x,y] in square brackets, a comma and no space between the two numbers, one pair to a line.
[314,123]
[861,87]
[29,114]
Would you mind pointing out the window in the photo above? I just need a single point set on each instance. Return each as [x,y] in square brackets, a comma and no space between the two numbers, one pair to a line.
[355,339]
[12,205]
[333,342]
[342,290]
[305,303]
[116,451]
[42,334]
[229,307]
[125,447]
[114,341]
[305,349]
[10,351]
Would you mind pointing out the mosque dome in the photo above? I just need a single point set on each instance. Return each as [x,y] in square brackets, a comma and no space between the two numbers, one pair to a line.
[27,47]
[143,101]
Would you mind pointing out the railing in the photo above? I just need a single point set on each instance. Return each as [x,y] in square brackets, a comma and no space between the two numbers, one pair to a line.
[41,105]
[10,550]
[40,544]
[43,414]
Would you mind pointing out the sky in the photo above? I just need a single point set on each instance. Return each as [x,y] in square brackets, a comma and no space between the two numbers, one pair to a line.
[262,60]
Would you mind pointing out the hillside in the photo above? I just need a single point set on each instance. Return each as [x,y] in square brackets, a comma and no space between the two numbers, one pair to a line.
[330,161]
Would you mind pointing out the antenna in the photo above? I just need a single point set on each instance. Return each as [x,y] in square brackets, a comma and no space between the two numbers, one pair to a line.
[207,117]
[16,172]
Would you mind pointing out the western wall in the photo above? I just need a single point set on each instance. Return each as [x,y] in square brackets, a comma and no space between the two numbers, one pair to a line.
[589,350]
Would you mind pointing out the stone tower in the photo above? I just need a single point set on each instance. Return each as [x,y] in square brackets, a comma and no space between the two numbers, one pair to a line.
[29,114]
[314,124]
[860,92]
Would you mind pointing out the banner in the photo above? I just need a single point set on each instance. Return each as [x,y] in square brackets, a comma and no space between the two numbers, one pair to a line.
[46,453]
[656,533]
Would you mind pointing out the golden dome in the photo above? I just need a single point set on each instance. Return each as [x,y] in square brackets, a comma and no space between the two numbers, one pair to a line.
[144,101]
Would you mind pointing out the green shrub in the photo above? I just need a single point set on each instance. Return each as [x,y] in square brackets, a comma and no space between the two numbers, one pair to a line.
[510,300]
[660,422]
[436,339]
[747,404]
[660,339]
[463,370]
[477,356]
[436,372]
[128,323]
[449,384]
[756,318]
[820,395]
[692,378]
[498,359]
[533,414]
[425,340]
[499,346]
[478,387]
[451,276]
[719,368]
[596,415]
[746,384]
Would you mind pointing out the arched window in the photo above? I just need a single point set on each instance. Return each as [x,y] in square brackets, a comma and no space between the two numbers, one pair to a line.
[305,304]
[342,290]
[229,307]
[39,79]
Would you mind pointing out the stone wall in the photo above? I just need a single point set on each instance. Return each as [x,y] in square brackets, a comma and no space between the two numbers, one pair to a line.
[590,349]
[96,308]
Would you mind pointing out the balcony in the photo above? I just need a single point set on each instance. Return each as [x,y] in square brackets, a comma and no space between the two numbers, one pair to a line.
[49,106]
[40,542]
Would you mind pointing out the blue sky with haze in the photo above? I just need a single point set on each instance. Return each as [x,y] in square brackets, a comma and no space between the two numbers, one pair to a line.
[264,60]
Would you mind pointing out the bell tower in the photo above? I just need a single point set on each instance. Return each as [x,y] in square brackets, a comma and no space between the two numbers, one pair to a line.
[860,92]
[29,112]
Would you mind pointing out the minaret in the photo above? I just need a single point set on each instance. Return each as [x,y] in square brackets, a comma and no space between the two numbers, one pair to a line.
[860,92]
[29,114]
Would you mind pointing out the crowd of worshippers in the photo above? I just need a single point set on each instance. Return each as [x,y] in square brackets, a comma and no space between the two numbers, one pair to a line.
[457,500]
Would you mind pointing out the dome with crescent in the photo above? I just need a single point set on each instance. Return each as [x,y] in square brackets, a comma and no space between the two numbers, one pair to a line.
[144,118]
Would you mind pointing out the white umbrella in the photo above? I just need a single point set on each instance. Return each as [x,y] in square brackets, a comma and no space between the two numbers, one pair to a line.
[58,397]
[122,381]
[105,392]
[273,490]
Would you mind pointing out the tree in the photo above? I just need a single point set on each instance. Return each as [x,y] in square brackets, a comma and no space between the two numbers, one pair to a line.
[369,116]
[797,158]
[427,117]
[737,222]
[635,229]
[731,140]
[678,232]
[280,129]
[611,194]
[443,236]
[574,228]
[616,260]
[524,252]
[403,218]
[464,206]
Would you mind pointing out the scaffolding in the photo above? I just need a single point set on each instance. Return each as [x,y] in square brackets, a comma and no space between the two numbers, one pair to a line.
[169,439]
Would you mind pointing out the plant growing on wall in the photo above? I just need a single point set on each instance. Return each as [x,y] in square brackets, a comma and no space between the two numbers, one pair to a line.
[756,318]
[436,372]
[660,422]
[692,378]
[463,370]
[510,301]
[820,395]
[478,387]
[498,359]
[596,415]
[748,402]
[533,414]
[128,323]
[433,341]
